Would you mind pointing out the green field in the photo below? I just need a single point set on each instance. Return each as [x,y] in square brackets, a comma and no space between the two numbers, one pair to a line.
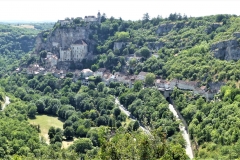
[45,123]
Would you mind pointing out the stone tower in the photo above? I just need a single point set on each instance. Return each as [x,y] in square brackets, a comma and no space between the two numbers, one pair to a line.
[99,17]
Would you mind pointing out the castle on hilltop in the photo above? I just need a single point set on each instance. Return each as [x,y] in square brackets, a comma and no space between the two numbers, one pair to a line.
[90,19]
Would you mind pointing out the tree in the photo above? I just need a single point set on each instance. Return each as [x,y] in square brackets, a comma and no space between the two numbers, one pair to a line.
[137,86]
[82,131]
[94,67]
[32,111]
[68,133]
[125,51]
[43,54]
[135,126]
[82,145]
[149,79]
[51,132]
[47,89]
[40,106]
[145,52]
[93,135]
[116,112]
[100,86]
[133,62]
[67,123]
[122,36]
[91,85]
[111,123]
[146,17]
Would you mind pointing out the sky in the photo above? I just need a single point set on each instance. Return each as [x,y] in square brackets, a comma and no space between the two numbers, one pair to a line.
[53,10]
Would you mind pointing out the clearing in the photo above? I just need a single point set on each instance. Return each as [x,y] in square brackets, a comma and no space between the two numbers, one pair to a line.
[45,123]
[24,26]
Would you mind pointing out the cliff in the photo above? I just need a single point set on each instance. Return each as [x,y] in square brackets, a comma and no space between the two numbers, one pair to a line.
[226,50]
[167,27]
[61,37]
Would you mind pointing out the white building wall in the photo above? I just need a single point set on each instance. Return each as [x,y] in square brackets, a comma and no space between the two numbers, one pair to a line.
[55,44]
[79,51]
[65,55]
[185,86]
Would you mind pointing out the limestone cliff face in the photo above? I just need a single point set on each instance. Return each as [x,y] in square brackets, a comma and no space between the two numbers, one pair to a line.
[212,27]
[61,37]
[165,28]
[155,45]
[226,50]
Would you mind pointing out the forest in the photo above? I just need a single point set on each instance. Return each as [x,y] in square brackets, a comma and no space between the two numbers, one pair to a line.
[92,121]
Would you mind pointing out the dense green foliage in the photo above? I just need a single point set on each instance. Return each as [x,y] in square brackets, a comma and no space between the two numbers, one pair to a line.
[213,126]
[14,44]
[89,112]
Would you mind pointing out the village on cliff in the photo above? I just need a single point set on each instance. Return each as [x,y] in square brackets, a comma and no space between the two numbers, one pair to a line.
[78,51]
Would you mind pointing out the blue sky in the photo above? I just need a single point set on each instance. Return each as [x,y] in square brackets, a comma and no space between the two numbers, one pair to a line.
[52,10]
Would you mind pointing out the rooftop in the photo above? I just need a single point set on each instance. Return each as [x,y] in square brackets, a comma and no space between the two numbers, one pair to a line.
[80,42]
[86,70]
[143,73]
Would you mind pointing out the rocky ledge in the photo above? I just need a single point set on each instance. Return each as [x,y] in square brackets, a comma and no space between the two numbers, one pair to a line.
[226,50]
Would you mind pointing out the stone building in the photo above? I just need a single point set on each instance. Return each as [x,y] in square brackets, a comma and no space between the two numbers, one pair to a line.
[76,52]
[65,54]
[79,50]
[99,72]
[51,60]
[93,18]
[64,22]
[86,73]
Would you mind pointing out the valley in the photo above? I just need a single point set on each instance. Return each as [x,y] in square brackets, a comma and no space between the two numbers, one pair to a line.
[99,87]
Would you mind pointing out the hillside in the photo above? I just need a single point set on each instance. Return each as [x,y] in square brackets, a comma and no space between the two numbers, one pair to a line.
[199,52]
[199,43]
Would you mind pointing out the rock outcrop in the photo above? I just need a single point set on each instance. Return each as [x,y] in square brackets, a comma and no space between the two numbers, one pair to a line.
[226,50]
[236,34]
[155,45]
[61,37]
[165,28]
[120,45]
[212,27]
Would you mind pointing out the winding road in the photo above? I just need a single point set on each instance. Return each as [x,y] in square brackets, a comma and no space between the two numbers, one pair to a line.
[185,134]
[7,101]
[125,111]
[182,128]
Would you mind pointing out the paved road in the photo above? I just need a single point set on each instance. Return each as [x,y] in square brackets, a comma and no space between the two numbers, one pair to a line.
[6,102]
[125,111]
[184,132]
